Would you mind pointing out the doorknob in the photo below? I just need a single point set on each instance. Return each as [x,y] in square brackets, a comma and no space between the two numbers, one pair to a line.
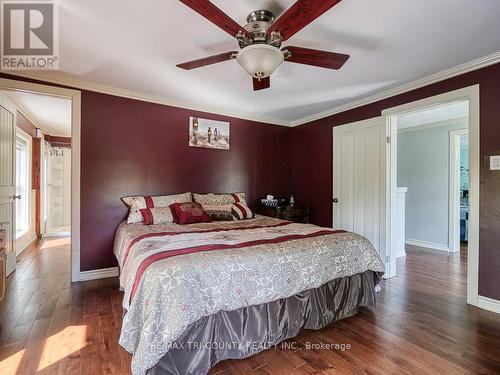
[16,196]
[335,200]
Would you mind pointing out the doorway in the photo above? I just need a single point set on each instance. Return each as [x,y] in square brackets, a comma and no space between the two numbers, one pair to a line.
[459,191]
[7,198]
[470,95]
[428,168]
[56,200]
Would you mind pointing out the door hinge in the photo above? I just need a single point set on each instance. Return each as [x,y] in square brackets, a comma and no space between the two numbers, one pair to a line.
[387,259]
[388,139]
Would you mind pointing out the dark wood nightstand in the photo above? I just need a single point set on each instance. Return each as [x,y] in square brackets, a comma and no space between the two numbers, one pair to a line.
[298,214]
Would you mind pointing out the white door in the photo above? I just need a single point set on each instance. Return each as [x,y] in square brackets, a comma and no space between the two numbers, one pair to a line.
[7,177]
[359,181]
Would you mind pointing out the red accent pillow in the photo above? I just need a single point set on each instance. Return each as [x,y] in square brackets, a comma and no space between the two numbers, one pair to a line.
[189,213]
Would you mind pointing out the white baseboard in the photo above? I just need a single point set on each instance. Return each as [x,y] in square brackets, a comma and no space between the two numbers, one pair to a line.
[25,245]
[401,253]
[428,245]
[489,304]
[56,234]
[102,273]
[10,264]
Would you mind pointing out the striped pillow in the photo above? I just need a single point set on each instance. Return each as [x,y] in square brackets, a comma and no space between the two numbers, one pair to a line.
[159,215]
[219,199]
[241,211]
[219,206]
[135,204]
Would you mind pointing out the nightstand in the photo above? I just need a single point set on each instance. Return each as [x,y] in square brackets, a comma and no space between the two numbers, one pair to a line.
[298,214]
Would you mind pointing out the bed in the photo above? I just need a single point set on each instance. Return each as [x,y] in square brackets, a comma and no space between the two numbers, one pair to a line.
[195,295]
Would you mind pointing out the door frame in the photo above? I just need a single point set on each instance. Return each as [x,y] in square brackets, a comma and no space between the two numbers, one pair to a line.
[471,94]
[75,96]
[454,192]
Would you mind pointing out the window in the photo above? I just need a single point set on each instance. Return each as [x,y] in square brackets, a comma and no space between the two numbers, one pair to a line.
[23,187]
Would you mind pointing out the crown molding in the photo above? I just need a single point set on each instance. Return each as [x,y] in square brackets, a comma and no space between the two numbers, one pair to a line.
[54,78]
[425,81]
[51,77]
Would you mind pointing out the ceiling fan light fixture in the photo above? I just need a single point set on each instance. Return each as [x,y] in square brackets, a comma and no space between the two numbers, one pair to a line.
[260,60]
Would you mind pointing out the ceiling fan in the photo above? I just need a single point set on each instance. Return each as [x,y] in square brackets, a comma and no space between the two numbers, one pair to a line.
[260,40]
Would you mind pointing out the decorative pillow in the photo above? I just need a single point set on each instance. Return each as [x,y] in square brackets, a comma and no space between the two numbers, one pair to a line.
[241,211]
[219,199]
[137,203]
[219,206]
[189,213]
[160,215]
[219,213]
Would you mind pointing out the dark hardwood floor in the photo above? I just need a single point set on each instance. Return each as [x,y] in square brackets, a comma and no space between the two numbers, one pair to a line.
[421,325]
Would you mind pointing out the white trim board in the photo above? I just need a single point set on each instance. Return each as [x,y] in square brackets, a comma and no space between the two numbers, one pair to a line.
[99,274]
[470,66]
[427,245]
[56,234]
[75,96]
[489,304]
[471,94]
[23,246]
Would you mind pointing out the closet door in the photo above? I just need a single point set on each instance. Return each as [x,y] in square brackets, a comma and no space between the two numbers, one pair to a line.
[360,180]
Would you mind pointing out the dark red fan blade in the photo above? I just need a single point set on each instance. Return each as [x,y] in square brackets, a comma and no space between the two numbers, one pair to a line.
[206,61]
[264,83]
[299,15]
[216,16]
[314,57]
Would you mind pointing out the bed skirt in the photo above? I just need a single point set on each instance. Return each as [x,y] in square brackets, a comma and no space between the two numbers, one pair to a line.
[244,332]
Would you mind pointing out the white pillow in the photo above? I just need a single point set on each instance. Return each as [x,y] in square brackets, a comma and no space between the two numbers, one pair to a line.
[137,203]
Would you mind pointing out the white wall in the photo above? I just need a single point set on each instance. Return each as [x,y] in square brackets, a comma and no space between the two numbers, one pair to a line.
[423,167]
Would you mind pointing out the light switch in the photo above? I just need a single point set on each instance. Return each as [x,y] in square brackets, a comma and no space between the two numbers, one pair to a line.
[495,163]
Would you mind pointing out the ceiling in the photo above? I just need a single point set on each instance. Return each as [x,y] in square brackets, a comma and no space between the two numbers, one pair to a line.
[135,46]
[435,114]
[51,113]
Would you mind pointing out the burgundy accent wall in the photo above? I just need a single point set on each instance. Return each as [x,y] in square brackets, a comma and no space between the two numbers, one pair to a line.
[131,147]
[312,148]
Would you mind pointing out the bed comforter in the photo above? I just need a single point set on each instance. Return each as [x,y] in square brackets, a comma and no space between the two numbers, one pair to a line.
[174,275]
